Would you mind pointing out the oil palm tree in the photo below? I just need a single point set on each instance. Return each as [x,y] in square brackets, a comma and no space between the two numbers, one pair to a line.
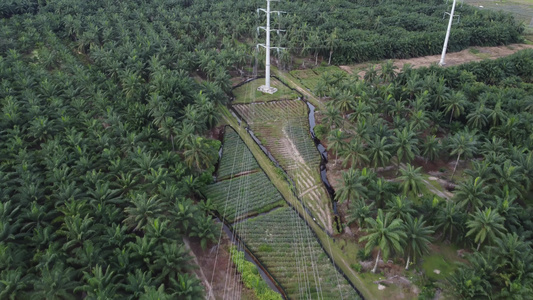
[142,209]
[379,151]
[450,219]
[13,284]
[56,283]
[100,284]
[344,101]
[204,229]
[440,94]
[411,180]
[419,236]
[384,232]
[381,190]
[332,117]
[331,43]
[497,115]
[485,225]
[405,143]
[186,287]
[463,143]
[360,212]
[471,194]
[477,118]
[431,148]
[198,154]
[336,141]
[352,187]
[509,176]
[400,208]
[513,259]
[388,71]
[360,110]
[455,104]
[170,260]
[354,153]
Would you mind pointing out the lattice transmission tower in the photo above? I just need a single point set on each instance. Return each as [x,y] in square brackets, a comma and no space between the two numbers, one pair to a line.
[266,88]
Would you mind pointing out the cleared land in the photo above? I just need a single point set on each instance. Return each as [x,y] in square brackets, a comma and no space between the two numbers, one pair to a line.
[456,58]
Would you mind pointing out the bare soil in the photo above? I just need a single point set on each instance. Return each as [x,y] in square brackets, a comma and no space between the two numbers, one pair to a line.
[452,59]
[217,272]
[217,133]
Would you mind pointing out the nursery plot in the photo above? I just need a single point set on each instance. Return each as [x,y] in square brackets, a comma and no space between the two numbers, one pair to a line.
[236,157]
[287,247]
[244,196]
[283,127]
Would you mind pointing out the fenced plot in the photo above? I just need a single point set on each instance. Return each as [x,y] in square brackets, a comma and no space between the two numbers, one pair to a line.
[236,157]
[283,128]
[244,196]
[287,247]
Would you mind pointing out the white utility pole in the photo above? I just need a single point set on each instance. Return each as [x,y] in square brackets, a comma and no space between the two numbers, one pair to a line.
[267,88]
[442,63]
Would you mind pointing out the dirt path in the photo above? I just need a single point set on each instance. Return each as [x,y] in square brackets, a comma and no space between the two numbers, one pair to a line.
[217,271]
[452,59]
[443,194]
[199,272]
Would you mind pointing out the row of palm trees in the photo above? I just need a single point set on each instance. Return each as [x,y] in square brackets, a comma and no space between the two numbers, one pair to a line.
[103,156]
[393,117]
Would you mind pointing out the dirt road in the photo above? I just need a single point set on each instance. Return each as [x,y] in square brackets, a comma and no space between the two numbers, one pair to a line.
[452,59]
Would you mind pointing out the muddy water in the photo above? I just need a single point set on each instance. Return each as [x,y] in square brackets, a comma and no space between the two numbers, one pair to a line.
[247,255]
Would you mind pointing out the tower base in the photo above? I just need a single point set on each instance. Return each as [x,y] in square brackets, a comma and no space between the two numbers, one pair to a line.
[268,90]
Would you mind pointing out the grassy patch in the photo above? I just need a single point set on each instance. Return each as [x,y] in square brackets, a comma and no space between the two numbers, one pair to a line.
[310,77]
[248,93]
[349,248]
[390,291]
[442,258]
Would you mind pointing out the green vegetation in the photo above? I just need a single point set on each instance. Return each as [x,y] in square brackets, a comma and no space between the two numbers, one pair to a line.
[105,108]
[103,152]
[295,258]
[310,78]
[242,188]
[471,109]
[251,277]
[438,263]
[243,195]
[238,158]
[284,128]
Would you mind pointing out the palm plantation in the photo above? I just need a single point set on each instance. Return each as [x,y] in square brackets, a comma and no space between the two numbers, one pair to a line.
[418,238]
[352,187]
[385,233]
[485,225]
[108,110]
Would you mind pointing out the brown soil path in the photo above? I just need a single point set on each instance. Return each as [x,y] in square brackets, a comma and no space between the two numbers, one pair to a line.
[216,270]
[452,59]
